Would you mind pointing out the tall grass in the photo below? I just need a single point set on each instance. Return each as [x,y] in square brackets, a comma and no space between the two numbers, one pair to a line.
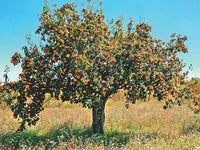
[142,126]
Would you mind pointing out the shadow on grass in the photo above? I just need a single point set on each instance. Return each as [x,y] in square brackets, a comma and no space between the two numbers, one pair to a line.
[73,134]
[65,133]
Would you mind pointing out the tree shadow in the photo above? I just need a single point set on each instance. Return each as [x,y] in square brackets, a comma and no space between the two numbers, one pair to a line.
[65,133]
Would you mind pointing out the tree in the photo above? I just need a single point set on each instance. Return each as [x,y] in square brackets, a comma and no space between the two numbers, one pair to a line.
[7,69]
[151,65]
[191,90]
[84,60]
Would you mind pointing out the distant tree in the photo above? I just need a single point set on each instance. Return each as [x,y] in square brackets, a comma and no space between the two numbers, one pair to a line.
[7,69]
[84,60]
[191,90]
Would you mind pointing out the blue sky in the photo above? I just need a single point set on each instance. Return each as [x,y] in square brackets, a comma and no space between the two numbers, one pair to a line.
[17,18]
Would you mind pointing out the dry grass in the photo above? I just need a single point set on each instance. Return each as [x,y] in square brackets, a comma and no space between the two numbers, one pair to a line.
[142,126]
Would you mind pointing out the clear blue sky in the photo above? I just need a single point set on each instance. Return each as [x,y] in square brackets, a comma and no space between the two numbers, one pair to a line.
[17,18]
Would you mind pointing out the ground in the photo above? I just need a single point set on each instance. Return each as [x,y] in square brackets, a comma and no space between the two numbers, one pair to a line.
[141,126]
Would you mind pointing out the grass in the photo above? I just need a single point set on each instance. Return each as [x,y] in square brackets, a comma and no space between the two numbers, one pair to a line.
[142,126]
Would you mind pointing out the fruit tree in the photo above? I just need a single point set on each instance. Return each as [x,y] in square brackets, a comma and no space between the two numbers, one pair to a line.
[83,59]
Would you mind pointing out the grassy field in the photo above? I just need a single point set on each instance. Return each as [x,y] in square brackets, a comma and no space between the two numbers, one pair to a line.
[142,126]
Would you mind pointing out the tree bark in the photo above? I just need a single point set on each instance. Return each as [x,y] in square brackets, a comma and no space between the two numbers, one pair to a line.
[149,97]
[98,115]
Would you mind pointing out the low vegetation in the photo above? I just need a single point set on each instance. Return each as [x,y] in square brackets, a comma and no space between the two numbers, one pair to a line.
[142,126]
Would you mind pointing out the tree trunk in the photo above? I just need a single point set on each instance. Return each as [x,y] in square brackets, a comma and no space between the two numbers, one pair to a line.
[149,97]
[98,115]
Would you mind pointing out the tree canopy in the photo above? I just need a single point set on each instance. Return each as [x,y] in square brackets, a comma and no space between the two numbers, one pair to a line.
[85,60]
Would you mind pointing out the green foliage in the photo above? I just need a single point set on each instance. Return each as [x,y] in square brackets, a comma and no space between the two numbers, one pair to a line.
[83,61]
